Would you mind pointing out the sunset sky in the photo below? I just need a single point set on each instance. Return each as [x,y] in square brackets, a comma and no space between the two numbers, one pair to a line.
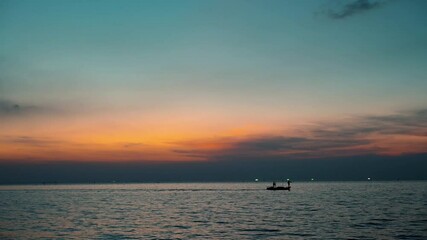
[161,81]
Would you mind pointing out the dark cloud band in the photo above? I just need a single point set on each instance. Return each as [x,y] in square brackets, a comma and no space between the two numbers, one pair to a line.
[349,138]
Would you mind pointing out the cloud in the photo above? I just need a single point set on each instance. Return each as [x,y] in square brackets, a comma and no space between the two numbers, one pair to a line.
[388,134]
[354,7]
[29,141]
[12,109]
[132,144]
[412,123]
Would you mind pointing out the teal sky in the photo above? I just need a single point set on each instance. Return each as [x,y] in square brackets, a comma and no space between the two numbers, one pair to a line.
[286,54]
[231,63]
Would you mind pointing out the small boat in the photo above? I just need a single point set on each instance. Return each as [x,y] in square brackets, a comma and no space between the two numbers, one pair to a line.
[273,188]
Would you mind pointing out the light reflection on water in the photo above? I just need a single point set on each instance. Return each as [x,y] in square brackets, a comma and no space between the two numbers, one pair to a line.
[312,210]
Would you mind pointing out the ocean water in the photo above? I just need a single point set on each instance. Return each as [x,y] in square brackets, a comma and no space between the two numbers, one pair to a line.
[312,210]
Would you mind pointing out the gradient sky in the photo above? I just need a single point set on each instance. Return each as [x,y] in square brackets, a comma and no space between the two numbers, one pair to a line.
[209,80]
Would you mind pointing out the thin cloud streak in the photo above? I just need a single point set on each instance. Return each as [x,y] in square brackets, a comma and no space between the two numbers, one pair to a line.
[10,109]
[30,141]
[354,7]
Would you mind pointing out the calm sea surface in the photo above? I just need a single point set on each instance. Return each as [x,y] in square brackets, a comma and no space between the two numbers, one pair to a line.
[312,210]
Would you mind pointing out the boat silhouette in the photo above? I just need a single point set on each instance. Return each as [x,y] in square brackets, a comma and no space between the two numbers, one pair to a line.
[278,188]
[275,188]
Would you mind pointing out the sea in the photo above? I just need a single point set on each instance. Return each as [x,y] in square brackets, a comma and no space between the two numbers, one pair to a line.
[311,210]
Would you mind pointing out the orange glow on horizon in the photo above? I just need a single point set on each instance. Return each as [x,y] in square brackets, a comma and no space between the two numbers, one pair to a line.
[133,138]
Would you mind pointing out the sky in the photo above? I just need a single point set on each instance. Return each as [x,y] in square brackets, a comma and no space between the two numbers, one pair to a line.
[207,81]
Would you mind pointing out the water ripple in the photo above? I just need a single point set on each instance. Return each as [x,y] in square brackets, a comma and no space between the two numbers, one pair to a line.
[348,210]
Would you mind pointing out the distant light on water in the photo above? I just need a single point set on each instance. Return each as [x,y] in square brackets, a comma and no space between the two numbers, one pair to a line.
[256,179]
[369,179]
[312,179]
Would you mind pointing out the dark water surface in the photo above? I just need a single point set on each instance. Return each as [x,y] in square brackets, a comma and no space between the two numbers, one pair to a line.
[312,210]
